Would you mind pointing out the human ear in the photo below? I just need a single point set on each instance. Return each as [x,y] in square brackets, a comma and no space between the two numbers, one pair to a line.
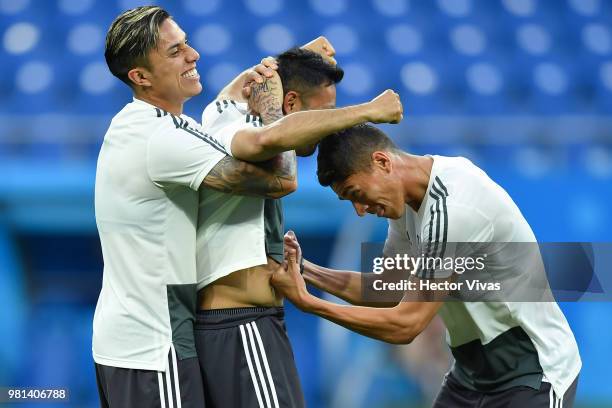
[382,161]
[292,102]
[139,76]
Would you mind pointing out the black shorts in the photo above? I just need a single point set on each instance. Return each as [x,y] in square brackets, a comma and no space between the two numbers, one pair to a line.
[246,358]
[180,386]
[454,395]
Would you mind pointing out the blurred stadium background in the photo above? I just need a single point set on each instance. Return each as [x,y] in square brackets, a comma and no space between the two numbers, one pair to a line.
[521,87]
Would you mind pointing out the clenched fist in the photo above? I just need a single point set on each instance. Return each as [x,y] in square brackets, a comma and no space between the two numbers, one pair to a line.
[323,47]
[386,108]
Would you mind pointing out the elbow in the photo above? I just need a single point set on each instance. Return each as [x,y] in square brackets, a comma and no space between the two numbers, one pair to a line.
[254,145]
[399,335]
[291,186]
[268,142]
[287,187]
[402,337]
[261,143]
[405,330]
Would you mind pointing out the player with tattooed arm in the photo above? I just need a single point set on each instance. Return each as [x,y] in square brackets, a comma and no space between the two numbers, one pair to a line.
[244,351]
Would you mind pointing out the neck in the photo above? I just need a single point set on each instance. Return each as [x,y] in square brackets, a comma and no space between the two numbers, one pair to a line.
[168,106]
[415,171]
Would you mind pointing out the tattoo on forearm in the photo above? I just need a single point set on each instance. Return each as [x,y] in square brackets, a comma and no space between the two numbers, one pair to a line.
[267,99]
[283,166]
[268,179]
[237,177]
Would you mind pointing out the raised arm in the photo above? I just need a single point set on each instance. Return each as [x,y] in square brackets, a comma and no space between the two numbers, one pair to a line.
[307,127]
[323,47]
[285,162]
[273,178]
[238,89]
[299,129]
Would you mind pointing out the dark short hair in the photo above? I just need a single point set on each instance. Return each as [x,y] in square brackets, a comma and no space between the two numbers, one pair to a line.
[130,37]
[302,70]
[349,151]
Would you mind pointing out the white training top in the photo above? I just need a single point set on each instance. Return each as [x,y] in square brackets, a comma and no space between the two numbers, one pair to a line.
[462,204]
[231,233]
[150,167]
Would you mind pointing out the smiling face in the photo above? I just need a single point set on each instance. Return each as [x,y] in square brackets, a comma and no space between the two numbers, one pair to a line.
[171,78]
[375,190]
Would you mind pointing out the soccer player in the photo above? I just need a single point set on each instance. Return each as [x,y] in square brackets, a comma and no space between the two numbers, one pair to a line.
[152,162]
[244,352]
[507,354]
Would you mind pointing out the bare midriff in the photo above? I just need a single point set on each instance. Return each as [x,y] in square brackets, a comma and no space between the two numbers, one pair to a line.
[244,288]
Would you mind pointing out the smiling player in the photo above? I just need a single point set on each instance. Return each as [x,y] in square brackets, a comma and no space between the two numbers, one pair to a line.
[507,354]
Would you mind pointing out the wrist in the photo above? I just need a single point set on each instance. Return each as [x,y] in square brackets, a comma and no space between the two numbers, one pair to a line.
[308,273]
[362,112]
[305,301]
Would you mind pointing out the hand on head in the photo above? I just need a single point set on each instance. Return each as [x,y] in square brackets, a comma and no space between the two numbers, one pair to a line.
[267,66]
[257,74]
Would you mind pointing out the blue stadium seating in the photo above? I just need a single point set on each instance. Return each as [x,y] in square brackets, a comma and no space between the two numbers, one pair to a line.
[522,87]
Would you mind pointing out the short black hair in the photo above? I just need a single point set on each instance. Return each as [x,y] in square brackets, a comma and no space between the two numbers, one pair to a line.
[349,151]
[302,70]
